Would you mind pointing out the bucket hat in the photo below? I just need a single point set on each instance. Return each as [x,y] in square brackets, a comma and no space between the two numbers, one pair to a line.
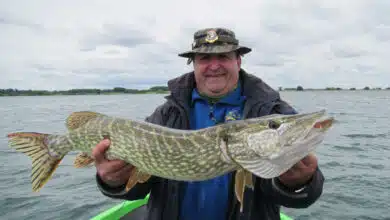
[214,40]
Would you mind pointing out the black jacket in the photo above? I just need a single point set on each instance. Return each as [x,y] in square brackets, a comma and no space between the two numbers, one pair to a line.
[268,195]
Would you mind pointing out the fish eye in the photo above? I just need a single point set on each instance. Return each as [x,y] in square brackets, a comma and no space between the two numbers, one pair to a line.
[273,124]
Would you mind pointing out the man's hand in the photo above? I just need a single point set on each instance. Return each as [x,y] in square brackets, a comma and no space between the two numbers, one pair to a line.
[300,173]
[115,172]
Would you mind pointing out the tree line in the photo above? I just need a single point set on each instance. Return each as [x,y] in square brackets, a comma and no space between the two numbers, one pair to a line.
[115,90]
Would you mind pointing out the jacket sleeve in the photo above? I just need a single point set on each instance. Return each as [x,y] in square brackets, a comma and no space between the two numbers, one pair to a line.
[140,190]
[280,194]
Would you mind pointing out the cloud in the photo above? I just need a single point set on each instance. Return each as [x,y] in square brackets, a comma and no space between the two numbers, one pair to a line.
[115,34]
[19,23]
[102,44]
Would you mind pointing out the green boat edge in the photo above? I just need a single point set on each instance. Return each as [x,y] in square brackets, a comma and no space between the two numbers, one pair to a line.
[120,210]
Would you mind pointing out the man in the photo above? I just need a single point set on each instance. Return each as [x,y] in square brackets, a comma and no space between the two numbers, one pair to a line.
[216,91]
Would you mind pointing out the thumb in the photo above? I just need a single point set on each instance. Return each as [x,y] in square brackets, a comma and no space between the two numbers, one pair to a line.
[310,160]
[99,150]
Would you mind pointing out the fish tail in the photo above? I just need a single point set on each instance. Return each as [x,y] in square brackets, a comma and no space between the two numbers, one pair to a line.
[44,160]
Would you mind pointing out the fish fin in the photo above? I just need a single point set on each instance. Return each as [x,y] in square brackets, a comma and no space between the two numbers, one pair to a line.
[239,187]
[132,179]
[243,179]
[248,179]
[83,160]
[78,119]
[143,177]
[248,176]
[136,176]
[43,162]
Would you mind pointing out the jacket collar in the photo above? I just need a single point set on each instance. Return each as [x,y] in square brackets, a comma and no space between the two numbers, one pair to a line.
[234,97]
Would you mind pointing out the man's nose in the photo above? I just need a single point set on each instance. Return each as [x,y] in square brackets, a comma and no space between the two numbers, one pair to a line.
[214,64]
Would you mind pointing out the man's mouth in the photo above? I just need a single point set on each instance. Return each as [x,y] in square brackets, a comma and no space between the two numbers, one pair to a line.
[215,74]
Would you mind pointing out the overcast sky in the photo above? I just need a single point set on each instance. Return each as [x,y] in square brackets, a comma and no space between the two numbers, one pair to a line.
[134,44]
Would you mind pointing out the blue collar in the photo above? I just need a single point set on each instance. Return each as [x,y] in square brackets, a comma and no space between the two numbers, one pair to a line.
[232,98]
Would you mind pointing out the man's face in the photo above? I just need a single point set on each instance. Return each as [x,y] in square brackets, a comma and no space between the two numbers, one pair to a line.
[216,74]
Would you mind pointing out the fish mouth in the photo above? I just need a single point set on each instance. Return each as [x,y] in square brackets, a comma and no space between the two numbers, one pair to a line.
[323,123]
[316,120]
[306,126]
[319,127]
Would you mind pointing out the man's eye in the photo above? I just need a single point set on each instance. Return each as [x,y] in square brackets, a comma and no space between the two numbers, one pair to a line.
[223,57]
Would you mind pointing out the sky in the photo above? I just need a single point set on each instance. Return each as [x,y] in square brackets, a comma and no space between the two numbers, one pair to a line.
[57,45]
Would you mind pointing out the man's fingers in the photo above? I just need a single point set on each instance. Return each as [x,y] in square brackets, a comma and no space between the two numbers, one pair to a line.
[298,166]
[307,162]
[124,172]
[99,150]
[300,172]
[310,160]
[288,174]
[121,175]
[116,165]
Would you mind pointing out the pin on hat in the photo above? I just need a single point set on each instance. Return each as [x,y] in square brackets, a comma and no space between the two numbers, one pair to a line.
[211,36]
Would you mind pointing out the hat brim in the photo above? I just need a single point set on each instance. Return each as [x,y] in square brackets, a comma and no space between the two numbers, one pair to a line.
[215,49]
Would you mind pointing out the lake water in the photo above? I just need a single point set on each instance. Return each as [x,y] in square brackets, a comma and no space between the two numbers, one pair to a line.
[354,157]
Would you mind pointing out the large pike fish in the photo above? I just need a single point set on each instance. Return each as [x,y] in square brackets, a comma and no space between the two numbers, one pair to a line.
[265,147]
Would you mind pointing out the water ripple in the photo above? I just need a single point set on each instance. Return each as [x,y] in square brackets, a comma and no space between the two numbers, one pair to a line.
[365,136]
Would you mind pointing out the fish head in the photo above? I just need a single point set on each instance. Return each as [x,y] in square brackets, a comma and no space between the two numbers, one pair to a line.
[268,146]
[273,135]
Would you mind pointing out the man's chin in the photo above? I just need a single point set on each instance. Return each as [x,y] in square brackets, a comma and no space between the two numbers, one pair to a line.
[215,92]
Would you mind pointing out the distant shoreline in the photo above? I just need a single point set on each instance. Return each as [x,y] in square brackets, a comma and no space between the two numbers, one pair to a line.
[152,90]
[114,91]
